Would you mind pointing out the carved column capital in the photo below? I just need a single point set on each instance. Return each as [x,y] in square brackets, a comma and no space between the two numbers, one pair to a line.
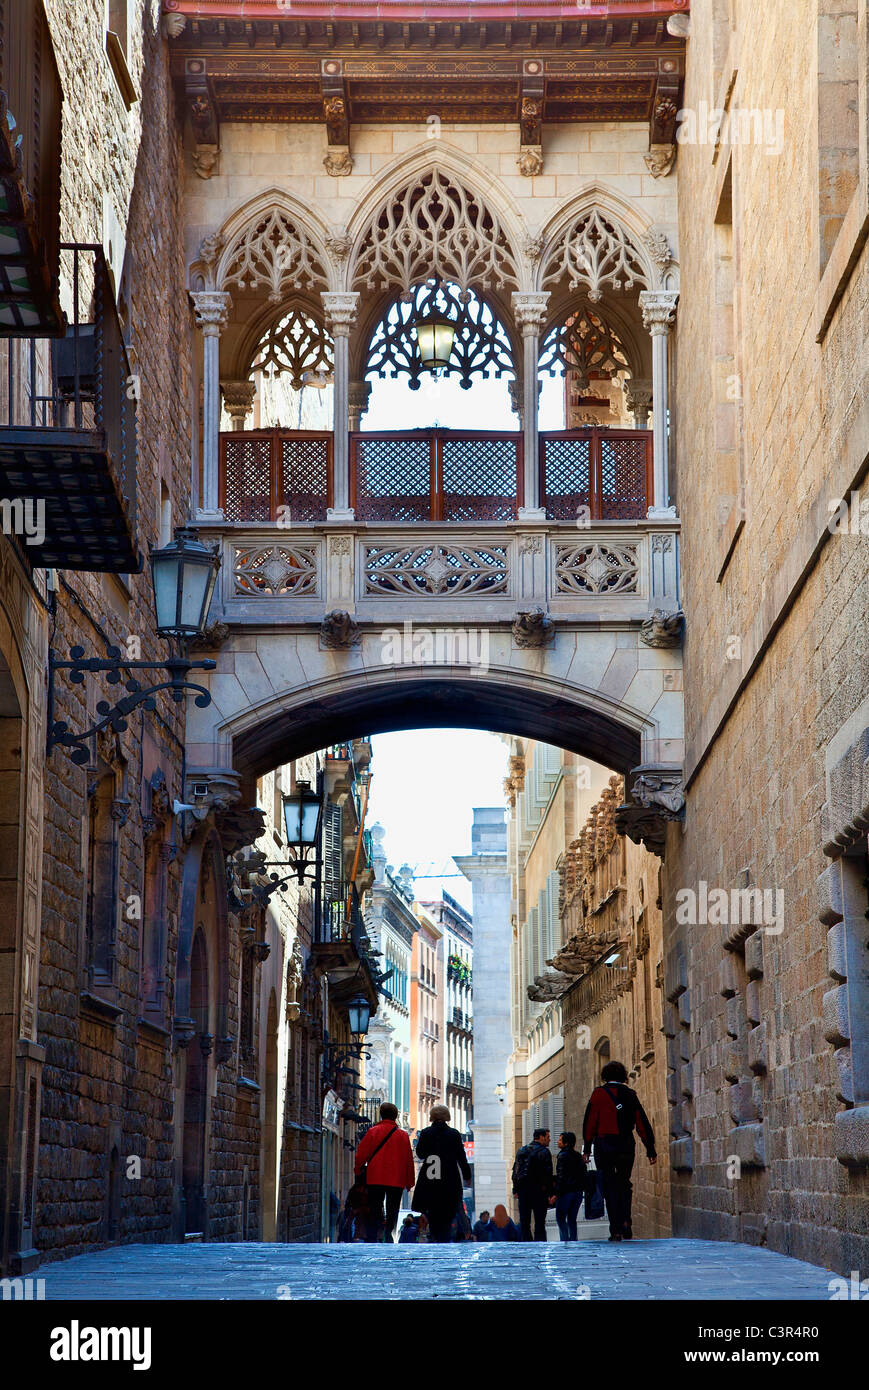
[638,395]
[529,311]
[238,400]
[340,308]
[211,308]
[659,310]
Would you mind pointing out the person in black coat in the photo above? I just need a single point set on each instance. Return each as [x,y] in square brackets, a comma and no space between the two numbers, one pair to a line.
[438,1190]
[570,1178]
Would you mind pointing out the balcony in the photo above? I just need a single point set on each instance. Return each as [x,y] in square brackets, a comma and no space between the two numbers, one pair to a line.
[434,475]
[30,130]
[459,1080]
[461,1021]
[342,951]
[68,429]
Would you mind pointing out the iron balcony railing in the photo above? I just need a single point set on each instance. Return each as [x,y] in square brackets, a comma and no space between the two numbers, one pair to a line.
[435,475]
[68,419]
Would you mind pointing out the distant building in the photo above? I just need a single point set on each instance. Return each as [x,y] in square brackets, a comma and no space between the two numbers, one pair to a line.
[486,868]
[426,1019]
[456,924]
[391,926]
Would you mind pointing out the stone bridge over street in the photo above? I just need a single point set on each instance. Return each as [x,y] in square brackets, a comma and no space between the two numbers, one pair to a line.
[568,634]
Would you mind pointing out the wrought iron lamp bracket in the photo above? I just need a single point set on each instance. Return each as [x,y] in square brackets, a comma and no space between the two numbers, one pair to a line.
[177,666]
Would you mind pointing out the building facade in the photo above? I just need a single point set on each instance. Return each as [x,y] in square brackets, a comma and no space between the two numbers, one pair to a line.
[392,927]
[766,1001]
[426,1019]
[486,869]
[457,1049]
[612,1002]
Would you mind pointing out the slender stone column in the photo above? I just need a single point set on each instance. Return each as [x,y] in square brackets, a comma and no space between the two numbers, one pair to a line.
[529,313]
[211,308]
[659,312]
[638,400]
[238,400]
[340,310]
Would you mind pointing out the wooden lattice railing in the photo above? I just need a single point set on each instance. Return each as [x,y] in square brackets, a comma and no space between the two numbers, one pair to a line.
[435,475]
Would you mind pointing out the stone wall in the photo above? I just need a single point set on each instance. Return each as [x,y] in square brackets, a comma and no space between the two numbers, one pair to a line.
[772,430]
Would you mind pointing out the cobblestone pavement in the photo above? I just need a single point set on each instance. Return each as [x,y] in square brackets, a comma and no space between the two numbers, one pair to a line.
[655,1269]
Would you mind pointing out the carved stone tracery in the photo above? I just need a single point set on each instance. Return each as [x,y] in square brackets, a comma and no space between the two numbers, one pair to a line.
[436,226]
[595,252]
[272,251]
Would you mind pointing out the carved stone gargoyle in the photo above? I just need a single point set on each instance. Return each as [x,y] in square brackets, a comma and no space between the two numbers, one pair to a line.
[548,986]
[581,951]
[532,628]
[339,630]
[663,628]
[656,797]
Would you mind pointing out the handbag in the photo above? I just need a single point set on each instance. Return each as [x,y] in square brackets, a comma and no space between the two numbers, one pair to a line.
[594,1203]
[362,1175]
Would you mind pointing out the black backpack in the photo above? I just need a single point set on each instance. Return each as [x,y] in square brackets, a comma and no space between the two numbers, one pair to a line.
[522,1165]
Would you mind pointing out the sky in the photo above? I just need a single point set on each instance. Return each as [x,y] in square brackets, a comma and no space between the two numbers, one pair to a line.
[424,787]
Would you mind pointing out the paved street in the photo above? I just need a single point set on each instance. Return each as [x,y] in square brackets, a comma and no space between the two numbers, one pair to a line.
[660,1269]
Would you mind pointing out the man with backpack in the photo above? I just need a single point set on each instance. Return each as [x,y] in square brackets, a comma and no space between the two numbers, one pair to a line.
[384,1167]
[534,1184]
[613,1113]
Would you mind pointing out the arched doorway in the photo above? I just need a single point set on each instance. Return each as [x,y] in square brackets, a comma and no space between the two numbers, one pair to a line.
[196,1094]
[270,1126]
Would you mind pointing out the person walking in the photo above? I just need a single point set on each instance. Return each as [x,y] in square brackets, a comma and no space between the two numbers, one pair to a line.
[480,1232]
[438,1190]
[612,1114]
[534,1185]
[570,1178]
[501,1227]
[384,1166]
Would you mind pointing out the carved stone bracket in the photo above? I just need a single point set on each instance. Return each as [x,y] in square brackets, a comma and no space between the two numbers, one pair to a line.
[663,629]
[530,159]
[662,128]
[183,1033]
[532,628]
[660,160]
[656,797]
[203,117]
[549,986]
[336,113]
[213,636]
[339,631]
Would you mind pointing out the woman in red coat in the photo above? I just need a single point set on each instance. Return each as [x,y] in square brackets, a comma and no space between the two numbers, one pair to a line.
[385,1154]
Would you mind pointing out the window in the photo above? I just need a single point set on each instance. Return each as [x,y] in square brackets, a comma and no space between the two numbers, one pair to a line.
[838,119]
[105,813]
[117,21]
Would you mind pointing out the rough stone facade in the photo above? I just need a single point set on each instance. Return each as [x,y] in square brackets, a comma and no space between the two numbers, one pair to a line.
[613,1011]
[771,1146]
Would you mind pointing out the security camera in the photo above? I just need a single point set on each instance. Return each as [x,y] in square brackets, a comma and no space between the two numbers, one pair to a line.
[200,790]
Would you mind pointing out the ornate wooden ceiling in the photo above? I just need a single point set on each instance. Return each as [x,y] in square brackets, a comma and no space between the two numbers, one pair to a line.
[344,63]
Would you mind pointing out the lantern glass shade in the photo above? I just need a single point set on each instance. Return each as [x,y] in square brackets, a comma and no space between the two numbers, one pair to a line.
[359,1014]
[183,573]
[302,816]
[434,337]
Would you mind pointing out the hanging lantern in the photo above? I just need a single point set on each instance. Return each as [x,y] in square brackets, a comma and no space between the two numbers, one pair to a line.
[434,336]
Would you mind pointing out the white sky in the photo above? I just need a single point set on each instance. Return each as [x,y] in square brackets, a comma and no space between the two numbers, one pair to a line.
[425,784]
[486,406]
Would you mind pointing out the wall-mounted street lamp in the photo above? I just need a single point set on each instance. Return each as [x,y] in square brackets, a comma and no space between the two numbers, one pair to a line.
[303,812]
[337,1055]
[183,575]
